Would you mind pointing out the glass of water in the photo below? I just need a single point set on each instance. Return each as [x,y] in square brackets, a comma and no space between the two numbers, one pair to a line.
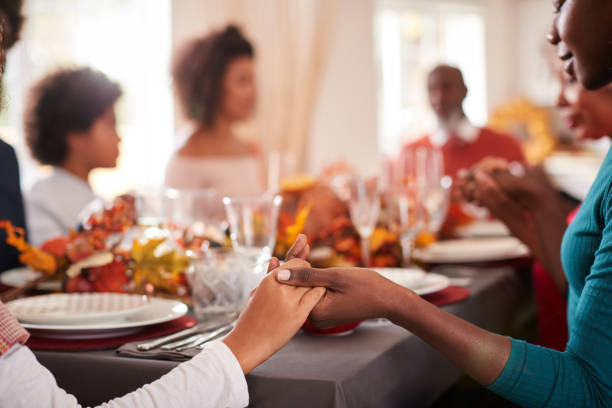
[253,224]
[217,279]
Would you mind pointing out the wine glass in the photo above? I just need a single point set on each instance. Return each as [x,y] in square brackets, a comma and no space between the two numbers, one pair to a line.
[405,218]
[281,165]
[434,187]
[364,208]
[404,202]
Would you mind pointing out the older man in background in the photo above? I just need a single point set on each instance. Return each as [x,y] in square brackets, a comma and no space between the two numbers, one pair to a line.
[461,143]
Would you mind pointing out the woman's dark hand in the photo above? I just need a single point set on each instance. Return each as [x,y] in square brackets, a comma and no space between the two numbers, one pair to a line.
[353,294]
[528,187]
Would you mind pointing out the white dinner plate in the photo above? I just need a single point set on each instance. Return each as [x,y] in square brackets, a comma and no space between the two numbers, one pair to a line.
[472,250]
[76,308]
[482,228]
[421,282]
[157,310]
[20,276]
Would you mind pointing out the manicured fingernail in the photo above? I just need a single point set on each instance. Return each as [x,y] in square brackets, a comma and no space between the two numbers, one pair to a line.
[283,274]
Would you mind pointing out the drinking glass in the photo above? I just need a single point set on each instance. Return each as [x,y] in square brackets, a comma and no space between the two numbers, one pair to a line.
[404,202]
[281,165]
[434,187]
[150,220]
[405,218]
[196,218]
[253,224]
[364,208]
[216,279]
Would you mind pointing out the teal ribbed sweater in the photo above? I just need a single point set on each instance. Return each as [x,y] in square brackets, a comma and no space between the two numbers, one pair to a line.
[582,375]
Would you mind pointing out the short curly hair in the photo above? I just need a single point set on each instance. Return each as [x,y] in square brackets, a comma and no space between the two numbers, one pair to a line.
[12,10]
[199,67]
[68,100]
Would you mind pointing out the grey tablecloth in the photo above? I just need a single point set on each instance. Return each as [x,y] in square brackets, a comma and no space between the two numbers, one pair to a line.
[378,365]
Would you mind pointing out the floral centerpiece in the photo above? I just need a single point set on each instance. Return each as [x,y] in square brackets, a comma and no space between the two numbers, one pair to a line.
[311,207]
[96,259]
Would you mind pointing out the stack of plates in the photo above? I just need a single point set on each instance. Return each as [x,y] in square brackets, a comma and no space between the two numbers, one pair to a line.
[92,315]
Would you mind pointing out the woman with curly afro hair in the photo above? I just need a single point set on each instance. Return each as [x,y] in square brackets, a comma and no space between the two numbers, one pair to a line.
[70,125]
[215,85]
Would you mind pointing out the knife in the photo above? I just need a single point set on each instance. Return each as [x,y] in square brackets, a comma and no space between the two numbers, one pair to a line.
[198,328]
[206,338]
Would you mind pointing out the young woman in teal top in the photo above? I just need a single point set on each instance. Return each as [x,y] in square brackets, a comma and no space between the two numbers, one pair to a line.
[527,374]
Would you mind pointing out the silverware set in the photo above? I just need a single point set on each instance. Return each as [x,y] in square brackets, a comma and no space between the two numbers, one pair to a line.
[194,337]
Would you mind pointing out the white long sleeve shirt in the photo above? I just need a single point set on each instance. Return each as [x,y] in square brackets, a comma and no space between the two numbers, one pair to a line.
[53,205]
[213,378]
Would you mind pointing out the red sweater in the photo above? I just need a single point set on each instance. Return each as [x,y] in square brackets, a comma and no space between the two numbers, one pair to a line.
[463,155]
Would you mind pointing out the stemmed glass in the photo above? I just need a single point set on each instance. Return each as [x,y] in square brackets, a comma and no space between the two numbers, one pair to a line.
[363,199]
[434,187]
[253,225]
[405,217]
[281,165]
[405,203]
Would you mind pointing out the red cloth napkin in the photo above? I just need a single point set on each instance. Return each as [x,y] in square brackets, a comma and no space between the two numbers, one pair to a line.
[451,294]
[157,330]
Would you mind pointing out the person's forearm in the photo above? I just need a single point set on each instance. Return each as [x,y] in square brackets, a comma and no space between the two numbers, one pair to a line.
[211,379]
[246,354]
[480,353]
[522,227]
[550,226]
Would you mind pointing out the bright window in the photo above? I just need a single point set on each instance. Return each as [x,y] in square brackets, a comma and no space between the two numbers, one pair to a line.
[128,40]
[411,38]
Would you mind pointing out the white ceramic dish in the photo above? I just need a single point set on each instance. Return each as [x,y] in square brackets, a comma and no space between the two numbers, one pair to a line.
[482,228]
[421,282]
[20,276]
[156,311]
[76,308]
[472,250]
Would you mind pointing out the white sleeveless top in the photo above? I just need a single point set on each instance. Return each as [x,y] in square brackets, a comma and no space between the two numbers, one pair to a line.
[230,176]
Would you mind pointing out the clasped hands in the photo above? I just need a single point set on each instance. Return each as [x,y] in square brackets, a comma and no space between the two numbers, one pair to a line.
[503,186]
[290,294]
[351,294]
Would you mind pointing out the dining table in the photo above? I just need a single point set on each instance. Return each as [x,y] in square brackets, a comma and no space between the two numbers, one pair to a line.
[376,365]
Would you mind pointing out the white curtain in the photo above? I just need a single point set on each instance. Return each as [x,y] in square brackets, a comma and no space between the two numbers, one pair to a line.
[292,40]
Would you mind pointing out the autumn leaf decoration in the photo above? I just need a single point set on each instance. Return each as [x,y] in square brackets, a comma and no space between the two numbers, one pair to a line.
[160,270]
[30,255]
